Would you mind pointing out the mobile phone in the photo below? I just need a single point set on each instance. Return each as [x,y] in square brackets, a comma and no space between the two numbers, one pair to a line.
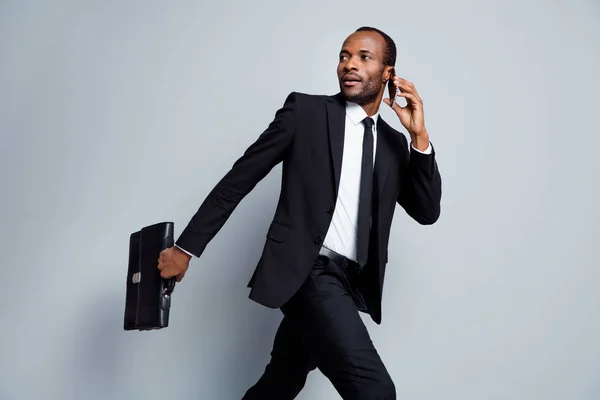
[393,91]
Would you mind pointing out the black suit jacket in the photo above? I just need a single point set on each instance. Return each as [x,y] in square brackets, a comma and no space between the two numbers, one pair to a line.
[307,136]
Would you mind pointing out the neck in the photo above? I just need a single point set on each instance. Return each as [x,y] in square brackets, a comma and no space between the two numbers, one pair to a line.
[372,107]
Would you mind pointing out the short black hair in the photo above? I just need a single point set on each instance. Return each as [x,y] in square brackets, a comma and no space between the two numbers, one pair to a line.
[389,57]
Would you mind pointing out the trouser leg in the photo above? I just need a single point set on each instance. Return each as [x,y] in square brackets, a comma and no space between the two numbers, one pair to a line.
[325,317]
[286,373]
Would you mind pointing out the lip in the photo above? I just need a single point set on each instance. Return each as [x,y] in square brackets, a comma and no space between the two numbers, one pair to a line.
[351,83]
[351,80]
[351,77]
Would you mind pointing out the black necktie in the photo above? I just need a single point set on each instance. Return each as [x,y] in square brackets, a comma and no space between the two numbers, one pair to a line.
[366,192]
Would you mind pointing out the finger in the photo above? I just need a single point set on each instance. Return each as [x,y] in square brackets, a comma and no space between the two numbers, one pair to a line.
[166,273]
[406,86]
[396,107]
[179,277]
[406,89]
[412,99]
[404,82]
[388,102]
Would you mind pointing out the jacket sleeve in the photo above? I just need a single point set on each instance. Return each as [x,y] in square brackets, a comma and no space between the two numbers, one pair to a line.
[257,161]
[421,191]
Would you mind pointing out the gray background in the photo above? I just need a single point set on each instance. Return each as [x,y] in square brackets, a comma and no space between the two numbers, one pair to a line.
[115,115]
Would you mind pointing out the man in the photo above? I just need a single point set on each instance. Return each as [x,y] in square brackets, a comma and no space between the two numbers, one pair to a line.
[324,260]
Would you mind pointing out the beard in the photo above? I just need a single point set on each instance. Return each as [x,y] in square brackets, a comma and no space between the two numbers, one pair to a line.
[368,93]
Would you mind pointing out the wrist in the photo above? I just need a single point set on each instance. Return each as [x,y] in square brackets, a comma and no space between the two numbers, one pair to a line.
[420,141]
[182,254]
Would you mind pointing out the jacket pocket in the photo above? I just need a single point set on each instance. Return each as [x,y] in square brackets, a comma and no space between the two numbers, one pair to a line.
[278,231]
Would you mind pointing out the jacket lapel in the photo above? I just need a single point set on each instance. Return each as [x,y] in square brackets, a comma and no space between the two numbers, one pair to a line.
[336,122]
[383,155]
[336,118]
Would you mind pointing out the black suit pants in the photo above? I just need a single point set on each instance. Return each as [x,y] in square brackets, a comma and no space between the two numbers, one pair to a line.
[322,328]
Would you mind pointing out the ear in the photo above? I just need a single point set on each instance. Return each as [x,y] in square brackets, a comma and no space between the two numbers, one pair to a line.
[388,73]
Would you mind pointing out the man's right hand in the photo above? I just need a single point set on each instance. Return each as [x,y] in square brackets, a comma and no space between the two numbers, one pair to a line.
[173,262]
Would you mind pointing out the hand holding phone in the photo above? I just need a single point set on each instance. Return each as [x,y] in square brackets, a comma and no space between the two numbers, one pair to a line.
[411,115]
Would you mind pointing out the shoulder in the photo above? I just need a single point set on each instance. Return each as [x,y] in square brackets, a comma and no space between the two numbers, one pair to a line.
[306,103]
[309,98]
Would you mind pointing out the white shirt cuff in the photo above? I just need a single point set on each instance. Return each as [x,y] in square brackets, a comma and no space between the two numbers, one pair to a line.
[427,150]
[185,251]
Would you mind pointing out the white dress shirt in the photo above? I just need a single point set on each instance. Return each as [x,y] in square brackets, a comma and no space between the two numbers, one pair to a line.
[342,235]
[343,232]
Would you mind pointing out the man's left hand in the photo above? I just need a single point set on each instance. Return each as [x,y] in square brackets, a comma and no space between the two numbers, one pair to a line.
[411,115]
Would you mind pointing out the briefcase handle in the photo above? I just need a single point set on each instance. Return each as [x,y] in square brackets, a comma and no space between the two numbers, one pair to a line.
[168,286]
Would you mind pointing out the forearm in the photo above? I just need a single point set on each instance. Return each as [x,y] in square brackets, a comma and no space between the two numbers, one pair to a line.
[209,218]
[421,191]
[258,160]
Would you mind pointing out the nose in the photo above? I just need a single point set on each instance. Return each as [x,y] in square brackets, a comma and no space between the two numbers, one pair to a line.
[351,65]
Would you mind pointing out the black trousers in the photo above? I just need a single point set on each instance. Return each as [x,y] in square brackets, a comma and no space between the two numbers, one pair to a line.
[322,328]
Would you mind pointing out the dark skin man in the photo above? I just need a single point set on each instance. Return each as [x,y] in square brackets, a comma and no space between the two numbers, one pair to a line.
[362,77]
[345,169]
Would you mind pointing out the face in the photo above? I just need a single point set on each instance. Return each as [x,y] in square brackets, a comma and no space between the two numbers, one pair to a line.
[361,69]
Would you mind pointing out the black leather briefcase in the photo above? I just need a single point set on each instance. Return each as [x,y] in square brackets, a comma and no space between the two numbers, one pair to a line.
[148,295]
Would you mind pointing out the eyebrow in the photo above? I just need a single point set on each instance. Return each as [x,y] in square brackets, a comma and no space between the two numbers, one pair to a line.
[361,51]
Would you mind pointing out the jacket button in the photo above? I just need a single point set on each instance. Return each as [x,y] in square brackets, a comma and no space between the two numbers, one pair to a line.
[318,240]
[330,209]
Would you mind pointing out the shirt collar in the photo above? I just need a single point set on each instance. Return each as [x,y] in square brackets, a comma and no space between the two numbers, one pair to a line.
[356,113]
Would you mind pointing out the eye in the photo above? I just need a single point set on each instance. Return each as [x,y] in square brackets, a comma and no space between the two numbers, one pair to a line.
[365,57]
[343,57]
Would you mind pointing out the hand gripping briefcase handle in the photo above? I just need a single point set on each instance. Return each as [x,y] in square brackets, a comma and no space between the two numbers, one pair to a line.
[148,295]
